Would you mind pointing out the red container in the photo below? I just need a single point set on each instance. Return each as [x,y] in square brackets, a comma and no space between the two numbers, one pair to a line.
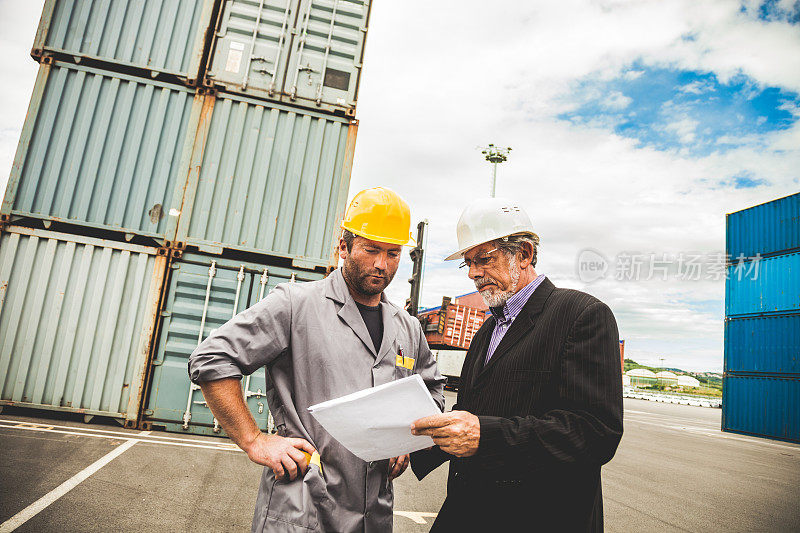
[472,299]
[452,326]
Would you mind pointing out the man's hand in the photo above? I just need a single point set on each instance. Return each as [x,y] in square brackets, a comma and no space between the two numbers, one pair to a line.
[284,455]
[457,432]
[397,465]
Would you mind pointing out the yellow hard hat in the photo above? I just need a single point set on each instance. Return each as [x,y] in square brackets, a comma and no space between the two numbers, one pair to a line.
[379,214]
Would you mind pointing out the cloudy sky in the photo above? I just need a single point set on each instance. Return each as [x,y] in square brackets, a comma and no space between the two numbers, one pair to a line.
[635,127]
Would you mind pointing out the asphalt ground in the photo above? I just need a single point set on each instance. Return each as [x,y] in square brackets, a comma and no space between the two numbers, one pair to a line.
[674,471]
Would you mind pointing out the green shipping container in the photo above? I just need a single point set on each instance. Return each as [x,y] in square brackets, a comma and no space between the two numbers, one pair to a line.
[103,151]
[161,36]
[76,322]
[199,299]
[269,180]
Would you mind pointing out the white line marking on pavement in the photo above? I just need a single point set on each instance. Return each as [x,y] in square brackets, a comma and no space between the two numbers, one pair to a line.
[39,505]
[128,434]
[418,518]
[704,432]
[151,439]
[672,419]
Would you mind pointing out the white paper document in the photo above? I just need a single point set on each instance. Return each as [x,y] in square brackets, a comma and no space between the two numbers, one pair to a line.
[375,423]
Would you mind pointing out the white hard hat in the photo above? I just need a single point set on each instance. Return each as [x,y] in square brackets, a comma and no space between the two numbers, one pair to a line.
[488,219]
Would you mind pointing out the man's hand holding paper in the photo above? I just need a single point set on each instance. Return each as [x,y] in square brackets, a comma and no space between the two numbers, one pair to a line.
[375,423]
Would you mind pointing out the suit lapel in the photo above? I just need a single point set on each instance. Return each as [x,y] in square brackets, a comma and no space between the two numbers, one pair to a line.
[482,347]
[521,325]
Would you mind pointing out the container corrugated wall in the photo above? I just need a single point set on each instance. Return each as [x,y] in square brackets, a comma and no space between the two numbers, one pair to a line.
[299,52]
[761,385]
[180,329]
[158,35]
[763,344]
[765,229]
[762,406]
[76,320]
[769,285]
[103,151]
[270,181]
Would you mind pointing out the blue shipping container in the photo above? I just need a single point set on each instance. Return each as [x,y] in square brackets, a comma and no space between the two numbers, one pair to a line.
[766,406]
[768,343]
[763,286]
[763,344]
[764,229]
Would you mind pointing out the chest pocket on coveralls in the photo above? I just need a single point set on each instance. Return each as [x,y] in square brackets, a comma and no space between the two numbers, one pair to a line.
[404,362]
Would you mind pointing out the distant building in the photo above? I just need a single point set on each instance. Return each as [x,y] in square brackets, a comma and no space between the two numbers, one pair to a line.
[626,380]
[688,381]
[666,377]
[641,376]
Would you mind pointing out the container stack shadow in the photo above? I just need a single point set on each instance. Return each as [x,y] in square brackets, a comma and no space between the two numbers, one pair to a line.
[178,160]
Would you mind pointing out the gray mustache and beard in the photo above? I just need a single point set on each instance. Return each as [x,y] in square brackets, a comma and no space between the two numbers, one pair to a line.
[498,298]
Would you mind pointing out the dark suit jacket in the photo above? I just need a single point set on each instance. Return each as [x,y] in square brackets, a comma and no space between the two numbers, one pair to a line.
[550,408]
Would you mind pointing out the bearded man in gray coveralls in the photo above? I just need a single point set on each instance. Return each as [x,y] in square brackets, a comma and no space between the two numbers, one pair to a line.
[318,341]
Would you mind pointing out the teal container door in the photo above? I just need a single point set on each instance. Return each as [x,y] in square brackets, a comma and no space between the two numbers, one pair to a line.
[201,295]
[161,36]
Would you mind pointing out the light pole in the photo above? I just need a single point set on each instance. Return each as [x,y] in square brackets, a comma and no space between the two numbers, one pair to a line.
[495,155]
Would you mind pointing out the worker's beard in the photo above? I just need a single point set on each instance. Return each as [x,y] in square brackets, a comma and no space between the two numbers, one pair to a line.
[363,280]
[495,297]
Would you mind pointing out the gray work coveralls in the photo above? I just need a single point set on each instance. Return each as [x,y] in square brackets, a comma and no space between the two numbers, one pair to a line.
[315,346]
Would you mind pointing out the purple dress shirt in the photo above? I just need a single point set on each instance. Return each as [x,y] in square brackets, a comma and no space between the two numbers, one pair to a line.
[504,316]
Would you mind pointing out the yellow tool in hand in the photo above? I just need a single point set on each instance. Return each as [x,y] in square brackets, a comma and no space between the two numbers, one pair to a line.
[313,459]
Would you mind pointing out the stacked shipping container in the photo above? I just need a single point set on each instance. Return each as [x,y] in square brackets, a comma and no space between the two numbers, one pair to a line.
[452,325]
[761,390]
[177,161]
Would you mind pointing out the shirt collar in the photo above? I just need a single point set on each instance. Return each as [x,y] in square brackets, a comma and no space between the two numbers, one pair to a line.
[514,305]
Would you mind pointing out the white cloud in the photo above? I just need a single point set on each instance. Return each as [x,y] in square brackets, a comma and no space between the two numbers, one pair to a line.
[684,128]
[616,101]
[697,87]
[631,75]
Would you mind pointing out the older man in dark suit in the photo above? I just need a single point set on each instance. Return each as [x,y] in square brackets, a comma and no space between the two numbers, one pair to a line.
[539,410]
